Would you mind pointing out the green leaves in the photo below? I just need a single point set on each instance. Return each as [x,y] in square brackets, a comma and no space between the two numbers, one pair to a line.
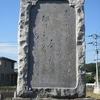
[92,68]
[89,79]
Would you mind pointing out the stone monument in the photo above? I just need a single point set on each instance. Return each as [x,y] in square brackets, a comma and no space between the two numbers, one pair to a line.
[51,49]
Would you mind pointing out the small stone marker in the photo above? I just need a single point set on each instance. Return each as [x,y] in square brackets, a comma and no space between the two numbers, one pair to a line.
[51,49]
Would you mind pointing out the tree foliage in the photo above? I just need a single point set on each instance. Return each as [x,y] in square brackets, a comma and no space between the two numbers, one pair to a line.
[89,79]
[91,67]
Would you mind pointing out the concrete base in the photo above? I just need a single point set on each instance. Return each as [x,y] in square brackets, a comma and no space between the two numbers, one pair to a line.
[50,99]
[96,90]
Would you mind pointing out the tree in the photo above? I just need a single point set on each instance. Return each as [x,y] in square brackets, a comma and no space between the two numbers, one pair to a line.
[89,79]
[91,68]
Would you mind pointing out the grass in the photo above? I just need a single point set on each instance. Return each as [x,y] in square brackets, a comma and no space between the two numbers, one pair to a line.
[7,87]
[91,94]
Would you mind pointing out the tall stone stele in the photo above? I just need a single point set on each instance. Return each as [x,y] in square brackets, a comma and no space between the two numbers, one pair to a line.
[51,49]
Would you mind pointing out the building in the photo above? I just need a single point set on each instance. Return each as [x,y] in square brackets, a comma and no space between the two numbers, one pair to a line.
[15,76]
[6,71]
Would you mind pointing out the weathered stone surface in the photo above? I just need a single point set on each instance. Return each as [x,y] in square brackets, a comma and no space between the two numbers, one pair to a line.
[52,99]
[51,49]
[52,45]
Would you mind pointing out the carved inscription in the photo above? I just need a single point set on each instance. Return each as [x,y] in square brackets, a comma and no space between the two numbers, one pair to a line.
[52,45]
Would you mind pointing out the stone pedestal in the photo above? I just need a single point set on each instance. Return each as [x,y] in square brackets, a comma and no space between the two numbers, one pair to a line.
[51,99]
[96,90]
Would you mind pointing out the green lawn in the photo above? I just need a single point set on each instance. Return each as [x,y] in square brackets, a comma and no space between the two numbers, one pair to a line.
[7,87]
[91,94]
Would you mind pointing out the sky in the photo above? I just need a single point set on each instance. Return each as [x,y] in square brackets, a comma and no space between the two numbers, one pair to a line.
[9,18]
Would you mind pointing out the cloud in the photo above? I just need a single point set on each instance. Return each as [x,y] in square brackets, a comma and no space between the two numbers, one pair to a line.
[6,48]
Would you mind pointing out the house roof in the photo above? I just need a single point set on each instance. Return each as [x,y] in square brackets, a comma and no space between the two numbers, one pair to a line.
[8,59]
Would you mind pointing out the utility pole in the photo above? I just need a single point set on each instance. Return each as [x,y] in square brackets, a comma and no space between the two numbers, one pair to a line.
[96,52]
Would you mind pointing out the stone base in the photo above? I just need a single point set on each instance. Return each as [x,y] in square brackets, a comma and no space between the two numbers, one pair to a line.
[96,90]
[50,99]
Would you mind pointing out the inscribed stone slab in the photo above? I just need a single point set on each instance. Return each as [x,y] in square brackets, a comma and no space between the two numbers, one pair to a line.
[51,49]
[52,45]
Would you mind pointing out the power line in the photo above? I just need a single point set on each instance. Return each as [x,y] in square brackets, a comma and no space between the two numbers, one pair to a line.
[89,50]
[8,46]
[8,41]
[90,60]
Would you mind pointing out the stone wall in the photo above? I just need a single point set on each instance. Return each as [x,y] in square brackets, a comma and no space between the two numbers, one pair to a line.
[52,99]
[7,93]
[89,88]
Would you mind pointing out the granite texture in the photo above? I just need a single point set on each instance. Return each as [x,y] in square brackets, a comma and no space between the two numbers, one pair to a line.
[51,99]
[27,86]
[52,45]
